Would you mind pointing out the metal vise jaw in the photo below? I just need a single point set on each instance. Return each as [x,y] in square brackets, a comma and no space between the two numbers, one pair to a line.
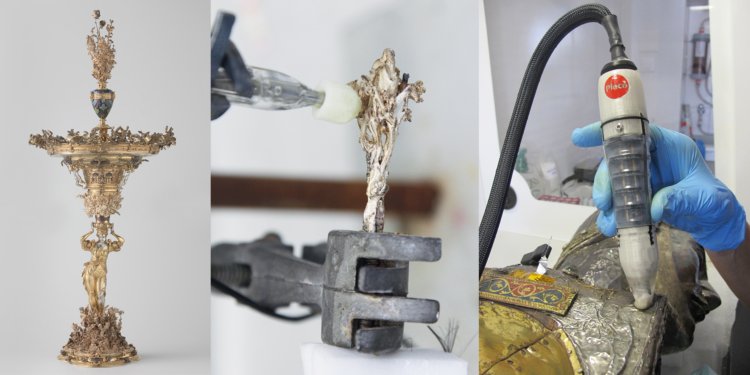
[365,287]
[360,289]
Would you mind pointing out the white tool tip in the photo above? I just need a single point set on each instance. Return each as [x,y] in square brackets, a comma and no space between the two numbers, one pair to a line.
[643,300]
[341,103]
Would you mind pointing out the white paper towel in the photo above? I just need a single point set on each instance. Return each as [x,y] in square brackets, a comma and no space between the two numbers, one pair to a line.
[322,359]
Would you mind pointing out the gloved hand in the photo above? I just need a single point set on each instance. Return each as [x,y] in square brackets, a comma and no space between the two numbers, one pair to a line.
[687,196]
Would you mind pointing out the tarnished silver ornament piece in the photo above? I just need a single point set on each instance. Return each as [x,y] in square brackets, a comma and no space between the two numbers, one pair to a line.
[385,95]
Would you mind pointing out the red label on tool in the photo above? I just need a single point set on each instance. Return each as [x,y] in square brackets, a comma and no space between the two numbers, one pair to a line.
[616,86]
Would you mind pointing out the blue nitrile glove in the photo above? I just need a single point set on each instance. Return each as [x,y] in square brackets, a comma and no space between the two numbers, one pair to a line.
[687,197]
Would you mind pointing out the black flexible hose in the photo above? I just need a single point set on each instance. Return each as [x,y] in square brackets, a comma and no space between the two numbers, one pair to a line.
[567,23]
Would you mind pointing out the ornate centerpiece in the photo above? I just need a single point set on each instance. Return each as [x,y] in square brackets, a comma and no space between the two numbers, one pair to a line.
[101,160]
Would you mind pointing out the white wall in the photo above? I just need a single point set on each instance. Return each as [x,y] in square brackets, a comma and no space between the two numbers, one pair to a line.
[332,40]
[728,47]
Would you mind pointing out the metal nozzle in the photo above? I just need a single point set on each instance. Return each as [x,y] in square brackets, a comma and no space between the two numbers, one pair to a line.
[269,90]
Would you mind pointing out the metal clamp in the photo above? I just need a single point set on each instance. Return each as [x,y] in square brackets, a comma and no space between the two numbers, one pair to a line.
[360,289]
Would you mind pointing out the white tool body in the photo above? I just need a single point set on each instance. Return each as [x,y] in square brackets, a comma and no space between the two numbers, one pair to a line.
[625,132]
